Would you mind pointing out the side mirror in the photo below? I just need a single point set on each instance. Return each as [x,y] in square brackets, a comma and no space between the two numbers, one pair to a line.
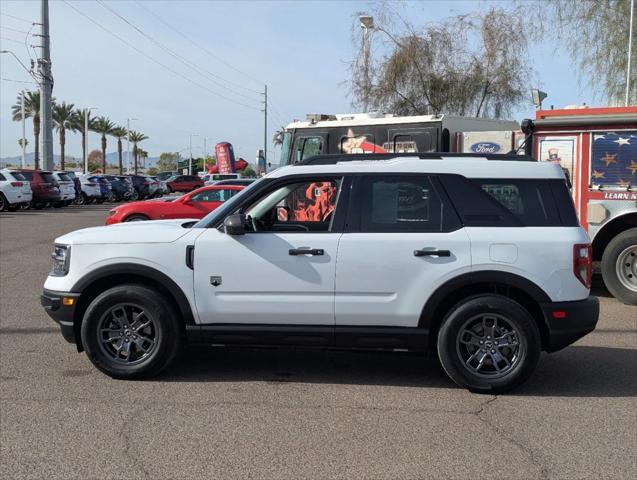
[235,224]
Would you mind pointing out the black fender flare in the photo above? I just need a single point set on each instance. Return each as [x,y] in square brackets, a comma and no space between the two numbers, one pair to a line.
[139,270]
[474,278]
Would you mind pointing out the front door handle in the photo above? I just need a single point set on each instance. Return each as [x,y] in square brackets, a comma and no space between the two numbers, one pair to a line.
[306,251]
[432,253]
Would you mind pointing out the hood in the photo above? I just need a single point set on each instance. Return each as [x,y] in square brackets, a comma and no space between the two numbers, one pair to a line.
[152,231]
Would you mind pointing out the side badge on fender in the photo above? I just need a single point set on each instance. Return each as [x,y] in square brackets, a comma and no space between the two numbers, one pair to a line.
[215,281]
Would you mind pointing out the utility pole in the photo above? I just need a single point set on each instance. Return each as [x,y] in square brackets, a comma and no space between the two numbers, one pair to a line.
[46,90]
[265,124]
[24,140]
[630,49]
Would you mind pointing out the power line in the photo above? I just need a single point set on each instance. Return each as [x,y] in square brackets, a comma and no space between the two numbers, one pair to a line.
[174,54]
[17,81]
[16,18]
[216,57]
[11,40]
[13,29]
[156,61]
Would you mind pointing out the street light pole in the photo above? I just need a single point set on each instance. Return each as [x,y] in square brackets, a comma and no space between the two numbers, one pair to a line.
[128,144]
[87,112]
[190,158]
[24,146]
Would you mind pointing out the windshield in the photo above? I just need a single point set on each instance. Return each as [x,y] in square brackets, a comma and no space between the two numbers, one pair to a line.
[227,207]
[284,159]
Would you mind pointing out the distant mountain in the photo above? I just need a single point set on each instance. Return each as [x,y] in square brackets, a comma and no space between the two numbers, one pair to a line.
[111,159]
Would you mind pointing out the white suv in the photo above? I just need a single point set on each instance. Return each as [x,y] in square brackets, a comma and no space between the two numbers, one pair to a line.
[15,190]
[478,258]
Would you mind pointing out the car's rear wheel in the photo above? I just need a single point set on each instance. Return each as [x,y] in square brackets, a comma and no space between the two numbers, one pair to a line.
[619,266]
[4,204]
[137,218]
[489,344]
[131,332]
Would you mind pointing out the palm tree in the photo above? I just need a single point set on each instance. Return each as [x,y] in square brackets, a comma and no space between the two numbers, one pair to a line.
[31,110]
[78,126]
[104,126]
[143,155]
[63,119]
[119,133]
[136,137]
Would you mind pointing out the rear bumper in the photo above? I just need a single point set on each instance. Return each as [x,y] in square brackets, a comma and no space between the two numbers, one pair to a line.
[62,314]
[15,197]
[569,321]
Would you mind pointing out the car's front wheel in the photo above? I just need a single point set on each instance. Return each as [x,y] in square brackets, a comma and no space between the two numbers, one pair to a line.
[489,344]
[137,218]
[130,332]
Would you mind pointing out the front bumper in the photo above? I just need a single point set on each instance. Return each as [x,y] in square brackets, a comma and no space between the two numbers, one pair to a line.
[62,314]
[569,321]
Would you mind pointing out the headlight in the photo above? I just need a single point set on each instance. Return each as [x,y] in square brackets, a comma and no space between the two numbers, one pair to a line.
[61,257]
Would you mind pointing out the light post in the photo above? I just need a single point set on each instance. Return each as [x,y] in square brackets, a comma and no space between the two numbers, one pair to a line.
[128,120]
[367,23]
[190,158]
[24,140]
[87,112]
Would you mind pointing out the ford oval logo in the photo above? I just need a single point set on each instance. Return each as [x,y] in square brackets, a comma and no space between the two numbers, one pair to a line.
[485,147]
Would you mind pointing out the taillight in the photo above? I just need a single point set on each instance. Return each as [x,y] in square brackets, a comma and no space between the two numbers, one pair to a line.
[583,263]
[146,183]
[16,184]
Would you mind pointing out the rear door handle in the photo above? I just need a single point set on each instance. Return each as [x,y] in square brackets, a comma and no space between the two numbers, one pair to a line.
[306,251]
[432,253]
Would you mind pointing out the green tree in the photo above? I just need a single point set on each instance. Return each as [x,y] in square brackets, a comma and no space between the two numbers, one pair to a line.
[63,120]
[94,160]
[473,64]
[78,125]
[248,172]
[21,141]
[596,35]
[31,110]
[136,138]
[103,126]
[168,161]
[119,132]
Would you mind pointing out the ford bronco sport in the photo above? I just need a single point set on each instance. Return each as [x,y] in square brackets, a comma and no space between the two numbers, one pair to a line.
[478,258]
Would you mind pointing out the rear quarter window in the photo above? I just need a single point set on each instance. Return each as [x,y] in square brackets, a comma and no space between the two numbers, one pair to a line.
[25,175]
[47,177]
[489,202]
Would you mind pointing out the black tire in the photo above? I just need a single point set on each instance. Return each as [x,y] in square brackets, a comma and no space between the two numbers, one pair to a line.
[4,204]
[57,204]
[38,206]
[623,246]
[137,217]
[99,201]
[523,335]
[165,328]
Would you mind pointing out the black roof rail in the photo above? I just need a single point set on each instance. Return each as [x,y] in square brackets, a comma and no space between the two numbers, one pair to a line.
[332,158]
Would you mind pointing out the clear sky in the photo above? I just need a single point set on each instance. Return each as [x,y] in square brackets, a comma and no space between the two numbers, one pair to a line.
[299,48]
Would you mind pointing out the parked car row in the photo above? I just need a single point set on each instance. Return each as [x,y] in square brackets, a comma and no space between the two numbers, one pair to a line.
[25,188]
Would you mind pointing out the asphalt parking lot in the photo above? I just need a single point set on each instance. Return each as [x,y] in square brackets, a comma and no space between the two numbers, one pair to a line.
[263,413]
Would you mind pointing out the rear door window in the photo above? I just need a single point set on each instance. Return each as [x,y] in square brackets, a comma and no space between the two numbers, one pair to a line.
[486,202]
[25,175]
[308,147]
[2,177]
[400,203]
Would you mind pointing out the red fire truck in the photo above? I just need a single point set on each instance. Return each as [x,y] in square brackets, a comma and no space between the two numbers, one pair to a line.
[598,148]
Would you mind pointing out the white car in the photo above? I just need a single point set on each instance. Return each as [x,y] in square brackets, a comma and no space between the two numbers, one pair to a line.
[67,187]
[90,190]
[15,190]
[479,259]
